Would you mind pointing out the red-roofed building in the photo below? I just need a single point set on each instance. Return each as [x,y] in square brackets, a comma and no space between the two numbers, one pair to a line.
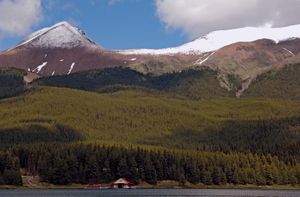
[121,183]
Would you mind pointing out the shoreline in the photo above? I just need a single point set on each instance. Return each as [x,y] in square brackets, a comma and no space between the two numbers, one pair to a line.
[221,187]
[33,182]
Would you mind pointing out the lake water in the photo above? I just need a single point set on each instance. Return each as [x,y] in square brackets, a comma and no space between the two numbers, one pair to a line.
[148,193]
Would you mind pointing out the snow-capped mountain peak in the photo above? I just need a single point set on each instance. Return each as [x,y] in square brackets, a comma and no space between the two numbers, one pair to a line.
[60,35]
[218,39]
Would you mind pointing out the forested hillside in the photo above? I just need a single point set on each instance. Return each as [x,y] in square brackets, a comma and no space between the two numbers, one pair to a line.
[197,83]
[10,173]
[192,83]
[179,128]
[131,116]
[11,82]
[89,163]
[283,83]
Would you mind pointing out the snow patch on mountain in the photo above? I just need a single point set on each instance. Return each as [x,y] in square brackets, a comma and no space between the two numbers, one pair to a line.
[218,39]
[202,61]
[71,68]
[290,52]
[61,35]
[40,67]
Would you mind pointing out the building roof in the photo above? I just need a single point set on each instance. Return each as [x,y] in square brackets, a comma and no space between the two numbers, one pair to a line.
[121,181]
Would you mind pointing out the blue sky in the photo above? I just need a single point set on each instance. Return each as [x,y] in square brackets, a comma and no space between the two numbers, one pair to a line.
[118,24]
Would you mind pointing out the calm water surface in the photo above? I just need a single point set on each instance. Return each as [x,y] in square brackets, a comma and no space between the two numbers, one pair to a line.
[147,192]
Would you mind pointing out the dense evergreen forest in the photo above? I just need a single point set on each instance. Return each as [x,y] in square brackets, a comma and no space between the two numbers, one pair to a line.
[194,83]
[260,153]
[10,173]
[278,137]
[63,164]
[11,82]
[283,83]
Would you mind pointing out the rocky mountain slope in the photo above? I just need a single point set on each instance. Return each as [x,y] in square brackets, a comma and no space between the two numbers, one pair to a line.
[248,60]
[60,49]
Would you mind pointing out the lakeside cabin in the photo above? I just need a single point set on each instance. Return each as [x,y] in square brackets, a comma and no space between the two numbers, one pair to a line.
[122,184]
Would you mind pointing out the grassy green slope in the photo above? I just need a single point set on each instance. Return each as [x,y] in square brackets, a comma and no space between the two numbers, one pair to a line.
[132,117]
[284,83]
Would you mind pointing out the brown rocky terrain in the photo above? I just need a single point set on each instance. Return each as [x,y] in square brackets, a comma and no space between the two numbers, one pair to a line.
[247,60]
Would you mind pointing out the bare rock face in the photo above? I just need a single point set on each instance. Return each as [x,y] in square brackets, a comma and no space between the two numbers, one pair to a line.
[30,77]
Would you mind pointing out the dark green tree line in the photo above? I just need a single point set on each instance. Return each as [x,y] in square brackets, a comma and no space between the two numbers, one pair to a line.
[86,163]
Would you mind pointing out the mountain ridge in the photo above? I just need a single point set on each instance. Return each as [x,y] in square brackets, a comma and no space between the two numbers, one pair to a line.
[218,39]
[64,49]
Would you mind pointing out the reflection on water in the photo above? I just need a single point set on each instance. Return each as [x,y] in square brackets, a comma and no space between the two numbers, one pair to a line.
[148,193]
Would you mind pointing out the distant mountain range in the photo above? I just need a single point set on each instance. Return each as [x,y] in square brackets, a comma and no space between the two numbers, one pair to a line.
[238,55]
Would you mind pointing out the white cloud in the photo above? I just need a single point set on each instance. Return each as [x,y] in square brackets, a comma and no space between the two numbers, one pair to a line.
[18,16]
[198,17]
